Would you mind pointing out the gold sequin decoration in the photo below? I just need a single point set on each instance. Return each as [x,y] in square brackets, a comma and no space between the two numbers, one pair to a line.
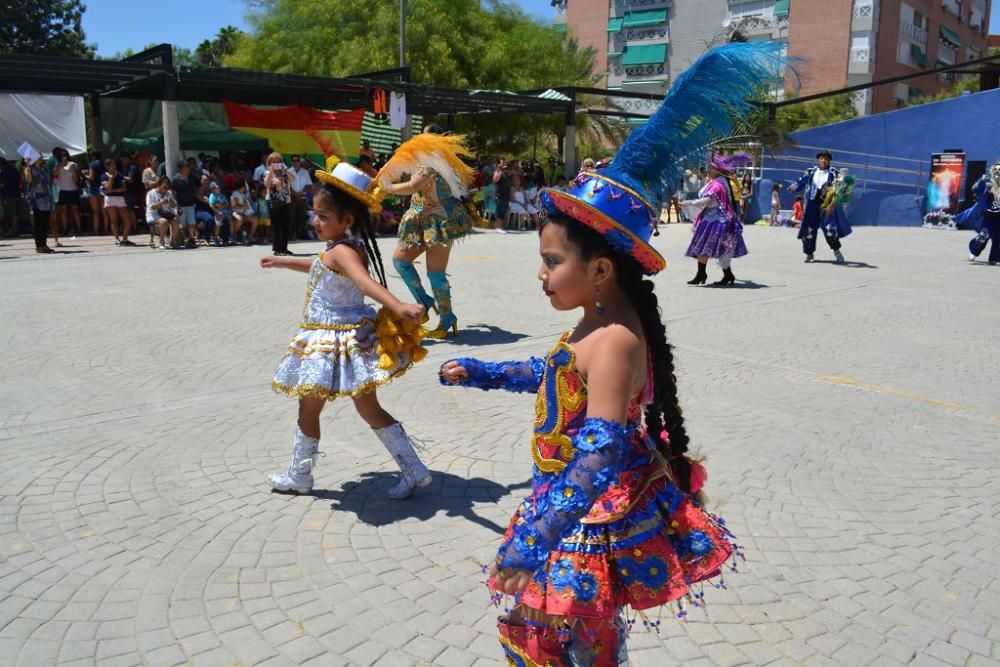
[566,401]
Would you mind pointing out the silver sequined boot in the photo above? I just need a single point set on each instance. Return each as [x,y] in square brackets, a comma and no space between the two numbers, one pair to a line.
[415,473]
[299,476]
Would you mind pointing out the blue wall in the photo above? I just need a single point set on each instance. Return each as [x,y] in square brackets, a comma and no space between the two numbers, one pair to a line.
[970,122]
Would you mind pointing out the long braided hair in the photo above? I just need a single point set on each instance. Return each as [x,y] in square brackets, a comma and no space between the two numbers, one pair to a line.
[364,228]
[664,412]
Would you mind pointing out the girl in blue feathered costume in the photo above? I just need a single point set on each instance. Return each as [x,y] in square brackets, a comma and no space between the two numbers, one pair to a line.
[613,520]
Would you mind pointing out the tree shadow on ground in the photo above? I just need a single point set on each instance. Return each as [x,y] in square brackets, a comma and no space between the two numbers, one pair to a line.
[366,498]
[850,265]
[479,334]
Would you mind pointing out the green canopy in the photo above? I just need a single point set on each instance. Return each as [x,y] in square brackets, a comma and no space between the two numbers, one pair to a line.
[198,135]
[645,54]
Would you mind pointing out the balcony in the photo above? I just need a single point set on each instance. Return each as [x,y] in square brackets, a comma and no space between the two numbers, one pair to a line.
[634,72]
[953,6]
[653,35]
[772,26]
[651,4]
[918,35]
[862,60]
[947,54]
[864,16]
[864,8]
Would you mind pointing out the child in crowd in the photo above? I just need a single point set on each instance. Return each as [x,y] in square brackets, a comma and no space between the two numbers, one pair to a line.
[489,193]
[220,209]
[797,211]
[260,209]
[775,203]
[343,348]
[242,213]
[614,519]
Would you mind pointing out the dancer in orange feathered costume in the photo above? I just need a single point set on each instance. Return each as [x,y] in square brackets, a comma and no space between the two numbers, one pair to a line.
[437,181]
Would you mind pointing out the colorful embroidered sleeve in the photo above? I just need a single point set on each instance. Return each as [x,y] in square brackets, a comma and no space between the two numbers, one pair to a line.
[518,376]
[600,449]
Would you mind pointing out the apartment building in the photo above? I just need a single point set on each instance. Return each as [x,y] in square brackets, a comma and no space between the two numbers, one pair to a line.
[643,45]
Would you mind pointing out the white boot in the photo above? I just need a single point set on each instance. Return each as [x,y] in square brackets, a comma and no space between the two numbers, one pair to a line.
[299,476]
[415,473]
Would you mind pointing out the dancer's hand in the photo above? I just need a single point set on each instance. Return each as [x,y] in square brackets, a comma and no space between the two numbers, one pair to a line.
[453,373]
[410,311]
[509,581]
[271,262]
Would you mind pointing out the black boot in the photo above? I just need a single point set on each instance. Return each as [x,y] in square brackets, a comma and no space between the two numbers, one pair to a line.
[727,278]
[700,277]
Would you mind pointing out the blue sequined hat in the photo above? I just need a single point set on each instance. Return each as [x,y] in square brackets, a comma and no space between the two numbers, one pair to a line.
[624,216]
[623,201]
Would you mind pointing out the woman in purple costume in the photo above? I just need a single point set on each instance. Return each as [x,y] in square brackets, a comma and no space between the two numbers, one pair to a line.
[718,232]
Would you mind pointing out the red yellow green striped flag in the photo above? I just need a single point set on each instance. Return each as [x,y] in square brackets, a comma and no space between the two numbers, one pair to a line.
[301,130]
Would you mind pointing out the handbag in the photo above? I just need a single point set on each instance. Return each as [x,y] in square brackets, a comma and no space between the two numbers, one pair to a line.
[168,215]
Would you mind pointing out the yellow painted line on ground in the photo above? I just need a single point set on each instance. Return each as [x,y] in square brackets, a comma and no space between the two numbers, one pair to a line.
[845,381]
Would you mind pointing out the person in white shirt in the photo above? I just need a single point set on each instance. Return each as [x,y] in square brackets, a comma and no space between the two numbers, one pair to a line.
[300,183]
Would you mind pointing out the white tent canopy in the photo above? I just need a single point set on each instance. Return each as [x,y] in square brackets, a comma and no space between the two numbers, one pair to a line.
[44,121]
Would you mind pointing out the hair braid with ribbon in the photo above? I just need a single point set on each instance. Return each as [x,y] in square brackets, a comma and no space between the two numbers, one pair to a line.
[664,412]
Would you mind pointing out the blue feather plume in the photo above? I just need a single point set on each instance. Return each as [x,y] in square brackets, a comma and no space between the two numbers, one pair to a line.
[698,109]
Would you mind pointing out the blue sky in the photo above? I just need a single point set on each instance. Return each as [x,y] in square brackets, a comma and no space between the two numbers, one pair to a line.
[187,22]
[115,26]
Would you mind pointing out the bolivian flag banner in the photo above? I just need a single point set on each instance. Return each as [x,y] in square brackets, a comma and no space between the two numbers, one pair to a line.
[302,130]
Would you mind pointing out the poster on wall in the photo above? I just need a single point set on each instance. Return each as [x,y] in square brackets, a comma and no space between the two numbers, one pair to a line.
[945,182]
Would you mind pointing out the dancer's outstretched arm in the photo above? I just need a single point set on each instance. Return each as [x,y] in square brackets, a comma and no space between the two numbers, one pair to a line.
[516,376]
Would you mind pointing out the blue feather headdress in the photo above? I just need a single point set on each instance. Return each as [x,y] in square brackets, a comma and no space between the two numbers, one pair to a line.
[623,201]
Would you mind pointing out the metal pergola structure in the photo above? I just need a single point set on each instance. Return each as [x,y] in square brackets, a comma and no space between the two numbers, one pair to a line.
[151,75]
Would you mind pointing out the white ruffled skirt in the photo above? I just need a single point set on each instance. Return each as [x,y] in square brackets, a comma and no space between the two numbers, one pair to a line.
[336,360]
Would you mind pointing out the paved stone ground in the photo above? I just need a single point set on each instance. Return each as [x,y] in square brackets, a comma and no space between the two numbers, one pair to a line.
[849,415]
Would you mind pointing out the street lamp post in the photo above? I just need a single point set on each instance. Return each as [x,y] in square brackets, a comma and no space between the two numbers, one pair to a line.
[402,33]
[406,132]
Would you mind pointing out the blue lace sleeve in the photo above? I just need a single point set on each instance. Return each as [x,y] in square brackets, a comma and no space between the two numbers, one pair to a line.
[518,376]
[600,450]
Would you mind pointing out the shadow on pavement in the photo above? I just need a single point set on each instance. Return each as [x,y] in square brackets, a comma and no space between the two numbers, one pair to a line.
[741,284]
[479,334]
[454,495]
[853,265]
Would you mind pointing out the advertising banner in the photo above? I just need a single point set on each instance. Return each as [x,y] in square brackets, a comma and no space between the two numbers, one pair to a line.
[945,185]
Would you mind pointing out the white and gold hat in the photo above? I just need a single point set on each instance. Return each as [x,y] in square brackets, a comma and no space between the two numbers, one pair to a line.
[348,178]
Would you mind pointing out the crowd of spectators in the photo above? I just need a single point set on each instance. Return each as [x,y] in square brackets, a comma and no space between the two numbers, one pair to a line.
[205,203]
[213,201]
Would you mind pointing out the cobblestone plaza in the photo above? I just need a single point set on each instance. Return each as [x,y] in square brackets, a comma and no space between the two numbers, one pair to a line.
[848,414]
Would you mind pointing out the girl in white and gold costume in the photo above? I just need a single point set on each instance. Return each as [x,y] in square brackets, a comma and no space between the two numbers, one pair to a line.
[344,348]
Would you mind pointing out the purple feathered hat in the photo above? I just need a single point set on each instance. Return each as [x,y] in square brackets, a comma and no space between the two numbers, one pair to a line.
[728,164]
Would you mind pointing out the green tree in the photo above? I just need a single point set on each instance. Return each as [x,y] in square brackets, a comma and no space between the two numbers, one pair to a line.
[491,45]
[453,43]
[818,112]
[44,27]
[211,52]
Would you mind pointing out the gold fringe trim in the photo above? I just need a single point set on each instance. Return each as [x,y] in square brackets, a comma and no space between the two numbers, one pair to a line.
[327,394]
[337,327]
